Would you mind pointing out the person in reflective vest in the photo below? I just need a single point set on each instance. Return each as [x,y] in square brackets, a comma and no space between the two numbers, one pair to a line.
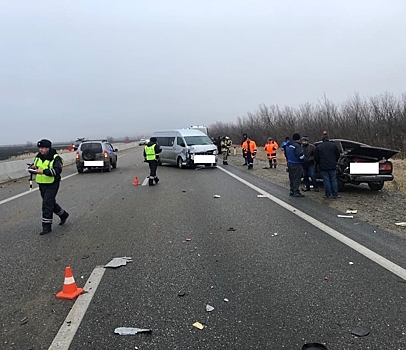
[249,149]
[270,148]
[47,167]
[151,151]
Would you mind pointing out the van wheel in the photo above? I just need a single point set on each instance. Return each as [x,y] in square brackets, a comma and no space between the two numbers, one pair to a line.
[376,186]
[179,162]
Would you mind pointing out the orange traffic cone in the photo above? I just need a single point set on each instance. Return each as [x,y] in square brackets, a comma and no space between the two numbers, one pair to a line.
[69,290]
[136,182]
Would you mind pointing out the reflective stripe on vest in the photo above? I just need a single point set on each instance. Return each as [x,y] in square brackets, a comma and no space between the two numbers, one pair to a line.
[43,165]
[150,152]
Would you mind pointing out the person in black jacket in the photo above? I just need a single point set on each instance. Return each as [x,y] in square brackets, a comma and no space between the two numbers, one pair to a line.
[309,166]
[48,168]
[326,156]
[244,138]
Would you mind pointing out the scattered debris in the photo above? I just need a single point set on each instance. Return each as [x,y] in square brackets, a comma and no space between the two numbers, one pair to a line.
[209,308]
[188,239]
[346,216]
[400,223]
[85,257]
[326,278]
[117,262]
[351,211]
[24,321]
[216,196]
[131,331]
[360,331]
[262,196]
[275,234]
[231,229]
[313,346]
[184,191]
[351,263]
[181,293]
[198,325]
[226,300]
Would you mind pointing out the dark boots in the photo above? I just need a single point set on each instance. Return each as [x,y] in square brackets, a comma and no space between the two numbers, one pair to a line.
[156,180]
[46,228]
[63,217]
[151,182]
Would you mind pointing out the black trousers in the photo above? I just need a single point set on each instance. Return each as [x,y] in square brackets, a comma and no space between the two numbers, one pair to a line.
[153,165]
[49,205]
[295,176]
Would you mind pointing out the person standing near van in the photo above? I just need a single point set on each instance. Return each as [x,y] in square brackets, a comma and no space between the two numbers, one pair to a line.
[249,149]
[48,168]
[151,151]
[226,143]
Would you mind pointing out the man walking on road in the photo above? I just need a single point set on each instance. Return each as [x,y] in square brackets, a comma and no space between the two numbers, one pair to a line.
[295,158]
[47,167]
[151,151]
[326,156]
[249,148]
[309,166]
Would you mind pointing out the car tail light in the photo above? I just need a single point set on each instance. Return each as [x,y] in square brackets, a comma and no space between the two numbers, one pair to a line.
[77,155]
[106,155]
[385,166]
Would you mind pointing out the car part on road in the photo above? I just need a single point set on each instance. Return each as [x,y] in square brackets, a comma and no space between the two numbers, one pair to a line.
[117,262]
[181,293]
[216,196]
[360,331]
[231,229]
[198,325]
[400,223]
[351,211]
[346,216]
[131,331]
[313,346]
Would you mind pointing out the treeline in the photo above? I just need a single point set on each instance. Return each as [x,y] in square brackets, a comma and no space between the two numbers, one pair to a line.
[377,121]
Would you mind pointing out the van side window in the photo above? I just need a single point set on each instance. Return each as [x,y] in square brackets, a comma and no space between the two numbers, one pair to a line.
[180,142]
[171,141]
[165,141]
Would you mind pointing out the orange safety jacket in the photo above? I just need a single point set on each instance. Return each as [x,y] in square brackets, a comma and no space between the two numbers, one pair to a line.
[252,147]
[271,147]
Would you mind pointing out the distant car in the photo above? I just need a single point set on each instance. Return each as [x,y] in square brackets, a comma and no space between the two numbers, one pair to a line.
[360,163]
[96,154]
[142,142]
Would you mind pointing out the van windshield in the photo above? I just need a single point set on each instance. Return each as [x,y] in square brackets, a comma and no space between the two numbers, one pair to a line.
[198,140]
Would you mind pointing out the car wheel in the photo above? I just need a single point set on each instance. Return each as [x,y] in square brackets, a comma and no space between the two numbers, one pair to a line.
[340,185]
[376,186]
[180,165]
[80,170]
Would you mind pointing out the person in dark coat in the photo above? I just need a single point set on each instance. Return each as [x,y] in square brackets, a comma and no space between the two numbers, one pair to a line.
[295,158]
[326,157]
[309,165]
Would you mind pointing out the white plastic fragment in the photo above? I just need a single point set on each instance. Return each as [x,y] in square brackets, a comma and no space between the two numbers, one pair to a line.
[130,331]
[346,216]
[262,196]
[351,263]
[275,234]
[400,223]
[216,196]
[198,325]
[209,308]
[226,300]
[352,211]
[117,262]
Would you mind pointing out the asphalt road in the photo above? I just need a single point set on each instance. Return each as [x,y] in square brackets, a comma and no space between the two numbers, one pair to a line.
[283,290]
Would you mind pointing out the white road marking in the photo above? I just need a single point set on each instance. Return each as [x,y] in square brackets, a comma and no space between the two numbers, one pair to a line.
[380,260]
[144,183]
[4,201]
[72,322]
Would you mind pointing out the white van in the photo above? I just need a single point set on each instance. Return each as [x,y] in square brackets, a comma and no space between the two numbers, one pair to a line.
[186,148]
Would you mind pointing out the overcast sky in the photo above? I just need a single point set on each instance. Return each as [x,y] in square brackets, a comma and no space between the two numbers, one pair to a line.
[114,68]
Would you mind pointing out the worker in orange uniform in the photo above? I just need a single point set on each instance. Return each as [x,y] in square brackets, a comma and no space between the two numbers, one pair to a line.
[270,148]
[249,149]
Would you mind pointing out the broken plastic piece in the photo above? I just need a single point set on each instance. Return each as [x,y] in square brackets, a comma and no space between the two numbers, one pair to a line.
[130,331]
[198,325]
[226,300]
[181,293]
[400,223]
[24,321]
[216,196]
[275,234]
[188,239]
[351,263]
[231,229]
[346,216]
[117,262]
[352,211]
[209,308]
[313,346]
[262,196]
[360,331]
[326,278]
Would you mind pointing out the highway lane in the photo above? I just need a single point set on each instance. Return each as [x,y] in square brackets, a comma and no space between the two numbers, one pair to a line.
[278,295]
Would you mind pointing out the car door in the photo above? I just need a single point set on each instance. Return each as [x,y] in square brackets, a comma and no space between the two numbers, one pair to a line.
[180,147]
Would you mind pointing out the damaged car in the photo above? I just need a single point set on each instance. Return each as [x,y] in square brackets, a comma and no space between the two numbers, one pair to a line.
[361,163]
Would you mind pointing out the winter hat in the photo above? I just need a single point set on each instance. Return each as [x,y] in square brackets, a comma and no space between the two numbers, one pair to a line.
[44,143]
[296,137]
[305,138]
[153,139]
